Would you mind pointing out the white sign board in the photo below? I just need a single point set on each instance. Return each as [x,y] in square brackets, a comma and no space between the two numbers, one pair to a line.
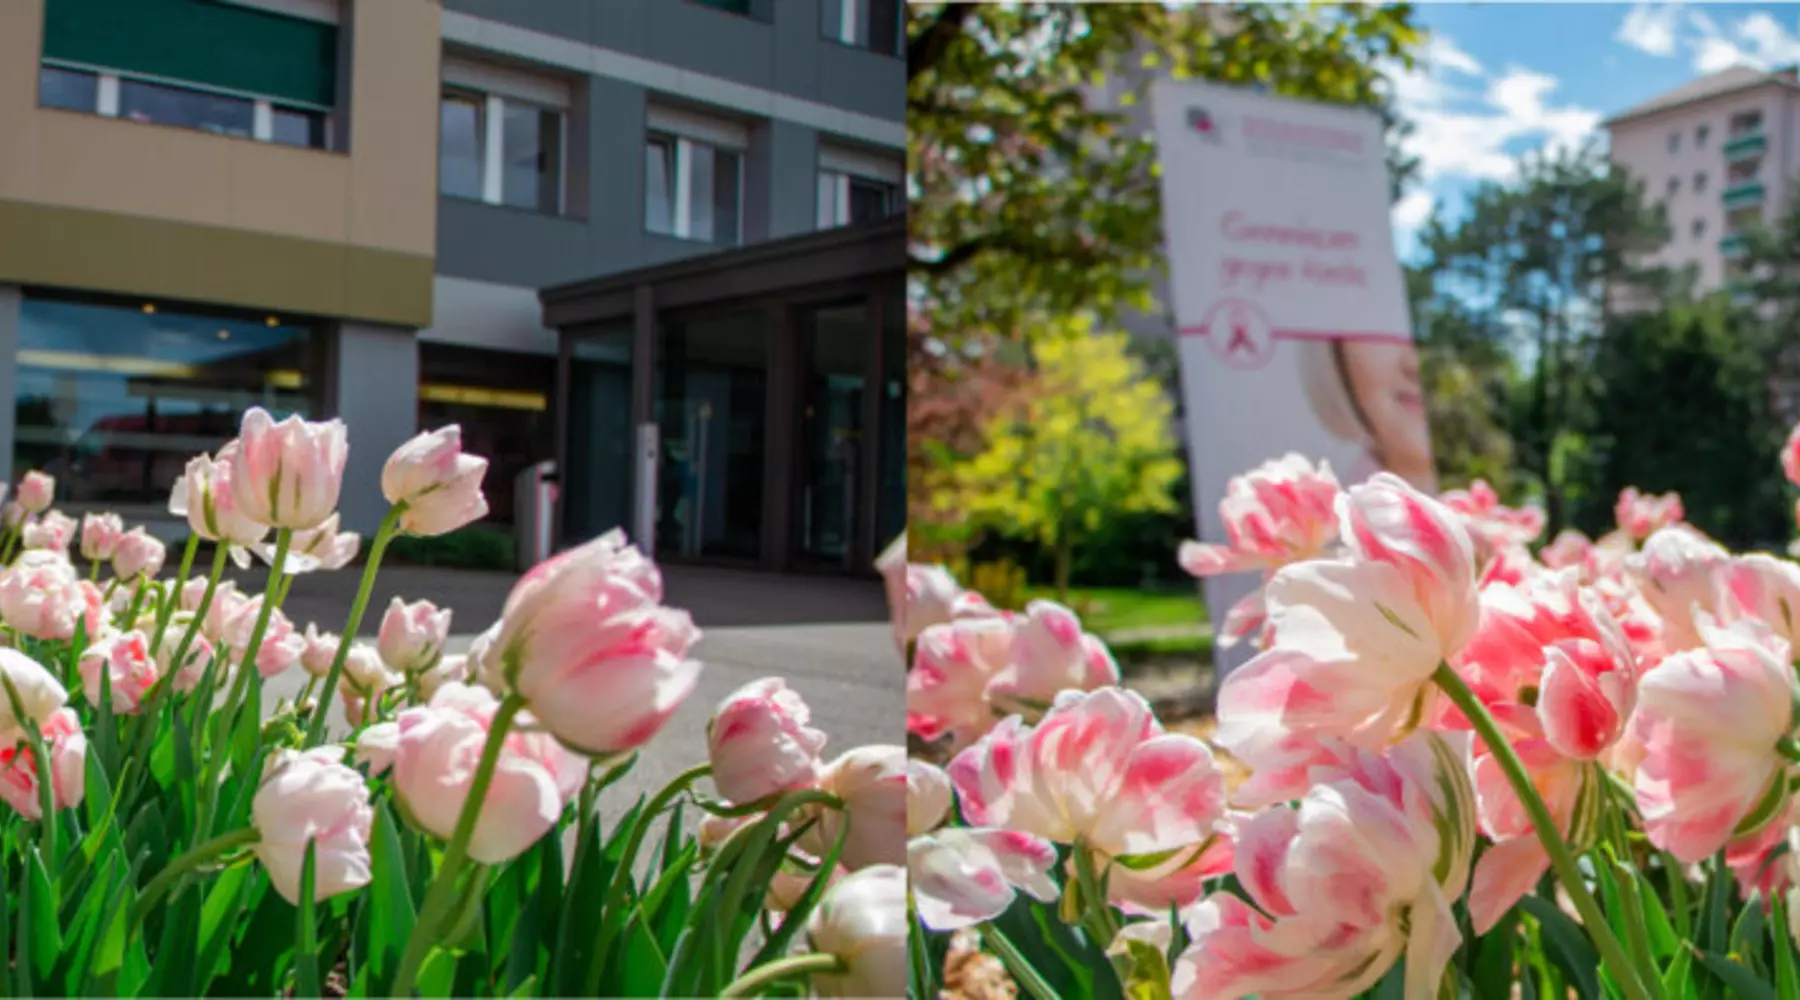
[1289,300]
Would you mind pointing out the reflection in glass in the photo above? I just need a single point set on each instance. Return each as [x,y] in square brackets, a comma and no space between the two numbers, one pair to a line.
[834,346]
[293,127]
[659,185]
[502,402]
[727,170]
[164,105]
[113,401]
[71,90]
[531,156]
[712,384]
[459,145]
[597,486]
[890,490]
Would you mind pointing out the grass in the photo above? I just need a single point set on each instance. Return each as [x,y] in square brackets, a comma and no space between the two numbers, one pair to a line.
[1196,647]
[1104,610]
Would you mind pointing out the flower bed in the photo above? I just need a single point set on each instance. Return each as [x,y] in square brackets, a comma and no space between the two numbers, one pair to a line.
[1457,767]
[167,836]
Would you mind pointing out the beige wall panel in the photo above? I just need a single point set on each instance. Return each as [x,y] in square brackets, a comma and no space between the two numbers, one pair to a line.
[394,125]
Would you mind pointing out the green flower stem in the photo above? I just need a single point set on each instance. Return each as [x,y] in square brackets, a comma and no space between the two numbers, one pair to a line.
[137,600]
[1788,748]
[246,685]
[194,858]
[1023,973]
[206,598]
[173,597]
[315,731]
[93,570]
[13,533]
[782,970]
[438,897]
[1562,859]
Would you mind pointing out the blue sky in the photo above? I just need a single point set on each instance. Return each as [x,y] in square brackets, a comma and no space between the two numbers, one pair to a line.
[1499,79]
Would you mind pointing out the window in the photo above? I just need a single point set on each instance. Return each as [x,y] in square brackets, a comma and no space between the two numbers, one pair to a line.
[293,127]
[195,109]
[1700,135]
[876,25]
[116,95]
[1700,183]
[1746,121]
[1674,186]
[740,7]
[857,187]
[1699,228]
[1674,142]
[501,137]
[71,90]
[692,189]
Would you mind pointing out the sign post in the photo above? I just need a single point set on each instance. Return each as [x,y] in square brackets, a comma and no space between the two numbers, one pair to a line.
[1287,295]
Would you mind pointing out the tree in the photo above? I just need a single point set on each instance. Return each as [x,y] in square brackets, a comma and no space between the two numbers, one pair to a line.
[1468,380]
[1026,197]
[1093,441]
[1545,258]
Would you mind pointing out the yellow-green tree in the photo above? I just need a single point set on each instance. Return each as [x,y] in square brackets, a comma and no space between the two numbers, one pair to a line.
[1093,441]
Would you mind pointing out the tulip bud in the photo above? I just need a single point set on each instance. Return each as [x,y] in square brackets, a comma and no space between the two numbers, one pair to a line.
[53,530]
[138,553]
[927,797]
[125,656]
[862,920]
[412,635]
[759,742]
[287,474]
[43,598]
[312,797]
[440,485]
[375,746]
[100,533]
[324,547]
[205,495]
[871,781]
[321,649]
[36,491]
[363,682]
[67,748]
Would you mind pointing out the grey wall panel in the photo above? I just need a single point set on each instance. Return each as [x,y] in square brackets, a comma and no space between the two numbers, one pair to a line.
[792,187]
[563,18]
[507,245]
[860,80]
[375,390]
[718,42]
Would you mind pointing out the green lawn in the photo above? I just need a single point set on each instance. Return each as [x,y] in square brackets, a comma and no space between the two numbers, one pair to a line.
[1104,609]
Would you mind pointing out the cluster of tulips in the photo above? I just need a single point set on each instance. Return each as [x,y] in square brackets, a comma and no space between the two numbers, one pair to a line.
[1465,768]
[170,833]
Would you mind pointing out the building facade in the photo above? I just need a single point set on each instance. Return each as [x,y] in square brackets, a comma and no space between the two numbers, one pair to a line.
[347,207]
[1719,154]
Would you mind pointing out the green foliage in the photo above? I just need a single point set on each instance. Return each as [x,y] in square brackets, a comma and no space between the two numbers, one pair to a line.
[474,547]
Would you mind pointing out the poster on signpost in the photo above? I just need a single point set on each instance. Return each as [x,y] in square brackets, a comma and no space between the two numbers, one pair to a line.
[1287,296]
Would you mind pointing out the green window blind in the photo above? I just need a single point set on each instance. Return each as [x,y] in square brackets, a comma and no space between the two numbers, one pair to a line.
[199,41]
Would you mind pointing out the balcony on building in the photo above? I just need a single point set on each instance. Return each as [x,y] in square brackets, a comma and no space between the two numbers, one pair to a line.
[1746,144]
[1743,195]
[1734,245]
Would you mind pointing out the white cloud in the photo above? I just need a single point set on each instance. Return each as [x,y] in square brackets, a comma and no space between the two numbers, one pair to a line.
[1650,28]
[1476,139]
[1442,53]
[1411,211]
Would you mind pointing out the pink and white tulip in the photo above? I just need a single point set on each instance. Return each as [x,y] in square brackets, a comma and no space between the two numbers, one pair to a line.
[1708,721]
[130,670]
[947,687]
[1491,523]
[363,682]
[1641,515]
[412,635]
[36,492]
[313,798]
[206,494]
[760,744]
[933,597]
[440,486]
[871,781]
[1764,588]
[322,548]
[52,531]
[376,746]
[321,649]
[138,554]
[1280,512]
[1570,548]
[961,878]
[66,745]
[44,599]
[1677,572]
[928,797]
[1050,654]
[193,667]
[100,534]
[287,474]
[862,920]
[435,757]
[586,639]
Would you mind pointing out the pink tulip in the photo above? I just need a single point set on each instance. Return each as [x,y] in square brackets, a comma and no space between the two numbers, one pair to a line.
[41,695]
[862,920]
[928,797]
[67,747]
[1361,871]
[586,639]
[138,554]
[323,547]
[1762,587]
[226,603]
[36,491]
[1491,521]
[376,746]
[1387,521]
[891,564]
[1708,721]
[947,688]
[440,485]
[790,884]
[1098,769]
[759,742]
[961,878]
[287,474]
[193,666]
[1179,881]
[1790,456]
[100,534]
[1517,861]
[412,635]
[321,649]
[1677,573]
[45,599]
[281,647]
[131,670]
[1554,662]
[312,798]
[933,597]
[449,668]
[53,530]
[1641,515]
[434,767]
[871,781]
[1277,513]
[1050,654]
[206,495]
[363,682]
[1570,548]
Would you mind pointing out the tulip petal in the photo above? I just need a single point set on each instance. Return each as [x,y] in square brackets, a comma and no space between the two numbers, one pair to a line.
[1506,872]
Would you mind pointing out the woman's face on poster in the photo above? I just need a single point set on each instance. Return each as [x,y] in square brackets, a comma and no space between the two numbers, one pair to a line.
[1383,378]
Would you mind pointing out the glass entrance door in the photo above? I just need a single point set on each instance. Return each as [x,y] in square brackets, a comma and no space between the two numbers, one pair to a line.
[712,378]
[833,351]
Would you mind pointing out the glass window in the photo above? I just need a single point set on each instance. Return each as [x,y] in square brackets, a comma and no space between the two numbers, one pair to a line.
[69,89]
[659,185]
[597,488]
[870,200]
[163,105]
[727,174]
[531,155]
[1699,228]
[459,145]
[711,402]
[729,6]
[113,400]
[1674,142]
[1701,133]
[1674,185]
[885,29]
[835,344]
[1699,183]
[293,127]
[500,400]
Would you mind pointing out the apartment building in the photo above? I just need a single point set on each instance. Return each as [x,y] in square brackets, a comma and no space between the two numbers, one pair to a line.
[1719,154]
[347,207]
